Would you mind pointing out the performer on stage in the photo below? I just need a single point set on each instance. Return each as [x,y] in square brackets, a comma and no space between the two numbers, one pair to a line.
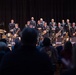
[68,27]
[16,30]
[45,31]
[63,24]
[33,22]
[52,30]
[52,22]
[42,21]
[59,30]
[39,28]
[73,30]
[11,26]
[28,24]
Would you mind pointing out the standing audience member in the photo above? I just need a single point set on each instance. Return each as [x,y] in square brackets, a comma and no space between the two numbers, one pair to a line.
[72,71]
[26,60]
[66,56]
[50,51]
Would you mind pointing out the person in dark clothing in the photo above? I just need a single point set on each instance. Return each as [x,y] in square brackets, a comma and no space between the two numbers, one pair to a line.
[16,31]
[45,30]
[59,30]
[26,60]
[11,26]
[73,30]
[33,22]
[68,27]
[72,71]
[63,24]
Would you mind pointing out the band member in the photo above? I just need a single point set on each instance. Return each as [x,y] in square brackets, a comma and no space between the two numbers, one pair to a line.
[59,30]
[42,21]
[33,22]
[45,31]
[52,30]
[28,24]
[52,22]
[16,30]
[52,33]
[63,24]
[39,27]
[68,26]
[11,26]
[73,30]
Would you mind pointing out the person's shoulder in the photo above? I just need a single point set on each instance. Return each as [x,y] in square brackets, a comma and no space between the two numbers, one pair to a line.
[6,58]
[41,53]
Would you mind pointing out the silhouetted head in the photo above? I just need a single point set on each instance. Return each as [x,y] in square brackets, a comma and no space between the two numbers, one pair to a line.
[29,36]
[68,46]
[46,41]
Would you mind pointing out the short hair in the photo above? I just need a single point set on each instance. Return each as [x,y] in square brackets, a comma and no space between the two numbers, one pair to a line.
[68,46]
[46,41]
[29,36]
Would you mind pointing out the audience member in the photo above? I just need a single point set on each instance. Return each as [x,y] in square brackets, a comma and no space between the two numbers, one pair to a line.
[26,60]
[72,71]
[67,56]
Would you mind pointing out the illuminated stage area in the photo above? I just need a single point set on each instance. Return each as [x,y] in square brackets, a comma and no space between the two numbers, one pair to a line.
[37,37]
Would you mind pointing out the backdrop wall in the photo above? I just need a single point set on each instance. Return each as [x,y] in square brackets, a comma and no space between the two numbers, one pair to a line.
[22,10]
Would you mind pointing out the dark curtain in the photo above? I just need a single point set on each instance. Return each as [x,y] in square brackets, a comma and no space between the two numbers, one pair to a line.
[57,9]
[22,10]
[13,9]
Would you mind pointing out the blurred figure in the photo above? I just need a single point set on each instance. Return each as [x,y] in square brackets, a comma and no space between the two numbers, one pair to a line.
[16,30]
[33,22]
[45,30]
[59,30]
[52,32]
[52,22]
[11,26]
[73,30]
[63,24]
[68,26]
[26,59]
[42,21]
[39,28]
[49,50]
[67,56]
[27,25]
